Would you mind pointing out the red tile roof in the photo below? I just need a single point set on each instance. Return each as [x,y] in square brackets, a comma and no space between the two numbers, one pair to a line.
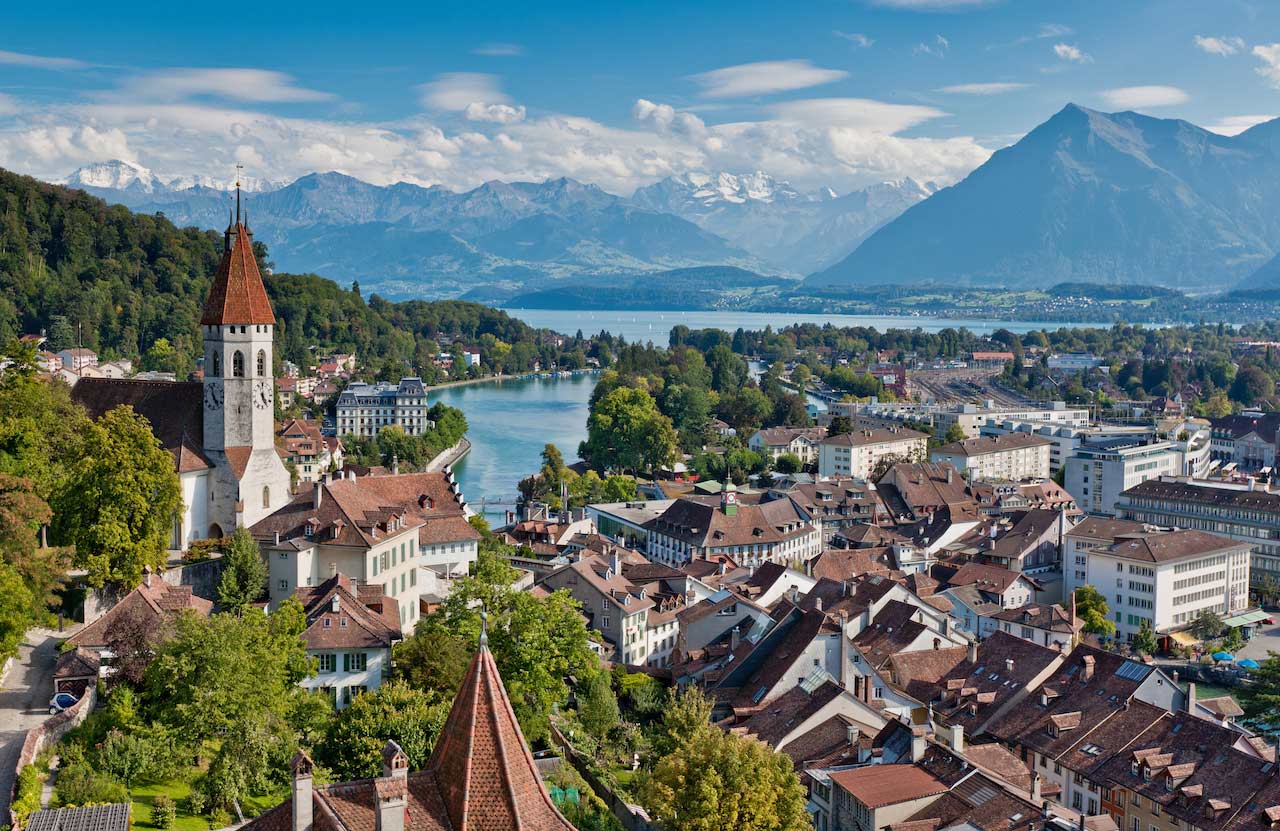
[156,604]
[876,786]
[363,617]
[237,294]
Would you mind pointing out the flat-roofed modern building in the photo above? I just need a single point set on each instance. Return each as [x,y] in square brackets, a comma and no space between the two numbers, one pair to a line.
[1100,471]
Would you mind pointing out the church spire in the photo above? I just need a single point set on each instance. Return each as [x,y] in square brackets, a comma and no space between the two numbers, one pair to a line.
[237,295]
[482,764]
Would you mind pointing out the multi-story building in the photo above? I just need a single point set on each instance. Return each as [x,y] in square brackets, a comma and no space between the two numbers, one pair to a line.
[858,453]
[364,409]
[779,531]
[77,359]
[801,442]
[971,417]
[1012,457]
[1073,361]
[350,631]
[312,454]
[627,523]
[408,534]
[1245,513]
[1248,440]
[632,603]
[1064,438]
[1163,578]
[1100,471]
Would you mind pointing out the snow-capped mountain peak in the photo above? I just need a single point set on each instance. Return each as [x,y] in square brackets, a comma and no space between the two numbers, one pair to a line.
[131,176]
[738,187]
[115,174]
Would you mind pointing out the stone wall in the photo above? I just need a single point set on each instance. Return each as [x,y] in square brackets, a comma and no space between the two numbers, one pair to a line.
[49,732]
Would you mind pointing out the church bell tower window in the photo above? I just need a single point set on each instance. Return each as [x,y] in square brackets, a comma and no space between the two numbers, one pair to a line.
[237,364]
[216,363]
[262,363]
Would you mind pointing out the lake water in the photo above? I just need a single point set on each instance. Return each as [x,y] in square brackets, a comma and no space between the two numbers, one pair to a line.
[508,422]
[656,326]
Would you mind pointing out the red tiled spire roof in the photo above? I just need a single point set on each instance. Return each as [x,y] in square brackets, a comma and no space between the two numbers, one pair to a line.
[482,765]
[237,295]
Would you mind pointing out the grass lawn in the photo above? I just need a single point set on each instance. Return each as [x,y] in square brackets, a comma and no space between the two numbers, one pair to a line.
[1204,691]
[178,789]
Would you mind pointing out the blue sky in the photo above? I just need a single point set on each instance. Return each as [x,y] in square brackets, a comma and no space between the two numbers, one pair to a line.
[829,92]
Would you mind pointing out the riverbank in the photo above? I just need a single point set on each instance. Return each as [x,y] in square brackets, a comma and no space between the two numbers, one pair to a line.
[527,376]
[450,456]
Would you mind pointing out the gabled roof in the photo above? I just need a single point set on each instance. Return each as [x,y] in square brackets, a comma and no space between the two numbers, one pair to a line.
[988,578]
[1170,546]
[154,604]
[175,410]
[237,294]
[893,630]
[876,786]
[362,616]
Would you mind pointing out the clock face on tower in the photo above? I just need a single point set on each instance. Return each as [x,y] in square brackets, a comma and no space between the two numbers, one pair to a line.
[262,394]
[212,398]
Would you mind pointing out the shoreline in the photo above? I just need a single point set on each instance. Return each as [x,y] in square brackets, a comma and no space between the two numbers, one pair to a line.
[529,376]
[450,456]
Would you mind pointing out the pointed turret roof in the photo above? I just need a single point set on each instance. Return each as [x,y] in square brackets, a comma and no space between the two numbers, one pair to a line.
[237,295]
[482,764]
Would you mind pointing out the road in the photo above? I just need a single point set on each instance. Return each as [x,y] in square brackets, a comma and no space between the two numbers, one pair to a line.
[1266,639]
[24,701]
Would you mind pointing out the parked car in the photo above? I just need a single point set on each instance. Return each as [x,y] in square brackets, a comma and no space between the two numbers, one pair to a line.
[61,701]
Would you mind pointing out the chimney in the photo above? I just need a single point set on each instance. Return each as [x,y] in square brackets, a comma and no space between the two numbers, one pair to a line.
[1086,673]
[918,745]
[146,576]
[817,603]
[615,561]
[844,650]
[1008,665]
[973,652]
[395,464]
[950,472]
[334,605]
[957,738]
[1035,787]
[301,767]
[1191,698]
[733,639]
[317,496]
[392,789]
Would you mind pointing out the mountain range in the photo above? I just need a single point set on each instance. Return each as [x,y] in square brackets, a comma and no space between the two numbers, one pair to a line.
[505,238]
[1091,197]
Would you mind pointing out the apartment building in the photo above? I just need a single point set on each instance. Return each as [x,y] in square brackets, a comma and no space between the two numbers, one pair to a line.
[778,531]
[408,534]
[350,631]
[971,417]
[1013,457]
[1100,471]
[1163,578]
[1246,513]
[364,409]
[1063,438]
[858,453]
[1247,439]
[801,442]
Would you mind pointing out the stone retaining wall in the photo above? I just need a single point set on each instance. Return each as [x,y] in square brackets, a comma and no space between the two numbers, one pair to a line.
[49,732]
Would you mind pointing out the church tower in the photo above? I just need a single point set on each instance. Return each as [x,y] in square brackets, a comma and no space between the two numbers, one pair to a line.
[239,388]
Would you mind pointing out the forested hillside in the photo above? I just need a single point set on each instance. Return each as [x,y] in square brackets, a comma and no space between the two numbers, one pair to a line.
[119,282]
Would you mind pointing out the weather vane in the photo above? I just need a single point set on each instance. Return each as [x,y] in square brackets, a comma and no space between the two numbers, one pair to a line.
[484,626]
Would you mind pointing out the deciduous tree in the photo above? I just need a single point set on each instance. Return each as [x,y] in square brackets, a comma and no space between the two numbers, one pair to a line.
[352,749]
[244,574]
[1091,607]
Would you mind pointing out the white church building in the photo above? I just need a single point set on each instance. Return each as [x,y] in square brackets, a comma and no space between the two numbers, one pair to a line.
[221,430]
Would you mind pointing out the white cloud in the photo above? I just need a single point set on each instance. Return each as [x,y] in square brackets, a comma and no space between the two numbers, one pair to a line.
[1269,54]
[938,47]
[1235,124]
[1219,45]
[8,106]
[764,77]
[40,61]
[933,5]
[994,88]
[1068,52]
[256,85]
[457,91]
[1136,98]
[860,113]
[497,113]
[1053,30]
[856,38]
[499,50]
[667,119]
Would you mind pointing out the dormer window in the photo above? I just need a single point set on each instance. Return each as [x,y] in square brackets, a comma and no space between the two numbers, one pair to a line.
[1133,768]
[1168,784]
[309,530]
[1146,774]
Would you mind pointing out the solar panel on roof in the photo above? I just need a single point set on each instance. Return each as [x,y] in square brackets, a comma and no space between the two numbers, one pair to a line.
[1133,671]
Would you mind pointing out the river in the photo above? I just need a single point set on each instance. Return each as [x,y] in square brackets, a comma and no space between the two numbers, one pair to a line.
[508,423]
[653,326]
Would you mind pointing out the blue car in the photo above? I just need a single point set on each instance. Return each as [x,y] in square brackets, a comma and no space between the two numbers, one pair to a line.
[61,701]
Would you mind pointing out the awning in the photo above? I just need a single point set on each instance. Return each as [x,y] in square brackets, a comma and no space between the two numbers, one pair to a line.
[1245,619]
[1183,638]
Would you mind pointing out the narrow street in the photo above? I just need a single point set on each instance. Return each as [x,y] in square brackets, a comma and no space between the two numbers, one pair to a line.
[24,701]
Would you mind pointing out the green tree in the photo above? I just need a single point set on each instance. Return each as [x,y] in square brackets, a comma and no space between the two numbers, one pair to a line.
[626,431]
[1261,699]
[685,714]
[117,503]
[352,749]
[713,779]
[432,660]
[1207,625]
[954,433]
[1091,607]
[840,425]
[1144,642]
[23,514]
[16,610]
[788,463]
[1252,385]
[597,706]
[218,673]
[244,574]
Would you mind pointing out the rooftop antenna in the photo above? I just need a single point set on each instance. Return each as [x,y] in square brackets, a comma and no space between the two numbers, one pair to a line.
[239,168]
